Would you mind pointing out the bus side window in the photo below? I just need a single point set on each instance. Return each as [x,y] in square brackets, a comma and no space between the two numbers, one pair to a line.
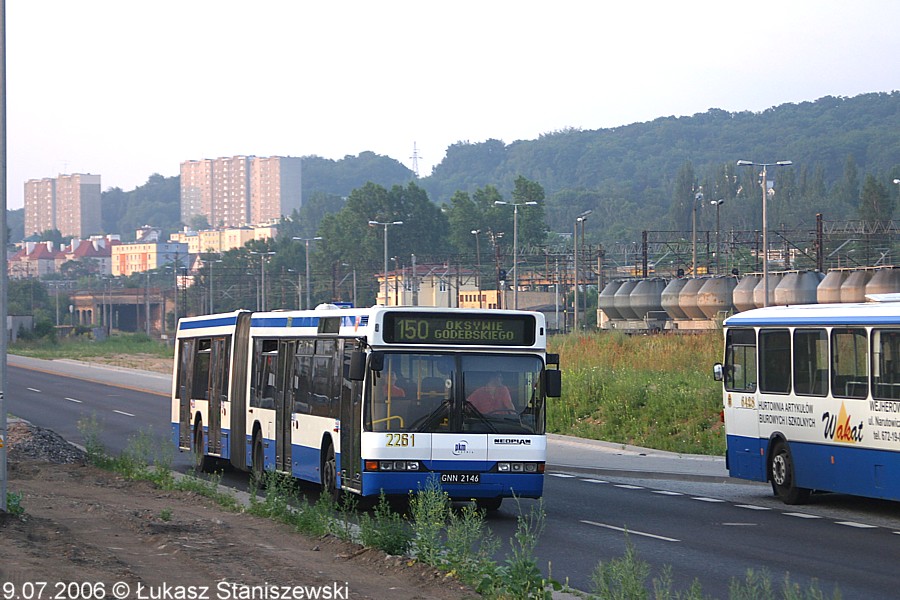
[740,360]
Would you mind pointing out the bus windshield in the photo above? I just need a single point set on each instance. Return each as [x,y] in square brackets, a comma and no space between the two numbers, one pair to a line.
[445,393]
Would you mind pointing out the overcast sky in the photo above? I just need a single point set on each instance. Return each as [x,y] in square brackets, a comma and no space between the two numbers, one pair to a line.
[128,88]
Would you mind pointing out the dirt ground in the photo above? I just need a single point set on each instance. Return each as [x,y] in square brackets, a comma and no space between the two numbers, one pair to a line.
[126,539]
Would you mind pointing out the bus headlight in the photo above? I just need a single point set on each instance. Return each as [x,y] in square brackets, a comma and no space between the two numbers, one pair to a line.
[520,467]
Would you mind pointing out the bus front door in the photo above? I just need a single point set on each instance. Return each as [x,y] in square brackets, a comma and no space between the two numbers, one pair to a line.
[351,427]
[185,376]
[284,405]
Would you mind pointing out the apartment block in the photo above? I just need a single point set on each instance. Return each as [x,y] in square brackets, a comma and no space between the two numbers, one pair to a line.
[78,205]
[40,205]
[140,257]
[239,190]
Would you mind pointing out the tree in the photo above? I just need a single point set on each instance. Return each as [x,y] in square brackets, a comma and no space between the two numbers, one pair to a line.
[875,202]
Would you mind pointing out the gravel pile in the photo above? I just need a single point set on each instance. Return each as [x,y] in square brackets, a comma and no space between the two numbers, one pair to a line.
[29,441]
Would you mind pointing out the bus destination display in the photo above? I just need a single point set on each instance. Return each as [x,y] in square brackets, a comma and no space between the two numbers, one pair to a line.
[475,330]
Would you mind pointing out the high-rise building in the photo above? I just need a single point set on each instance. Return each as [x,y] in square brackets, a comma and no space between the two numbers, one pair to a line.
[69,203]
[239,190]
[274,188]
[40,205]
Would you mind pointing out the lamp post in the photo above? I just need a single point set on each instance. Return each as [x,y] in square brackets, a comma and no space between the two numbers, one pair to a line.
[476,233]
[698,198]
[262,277]
[515,206]
[579,219]
[385,224]
[718,205]
[765,228]
[307,241]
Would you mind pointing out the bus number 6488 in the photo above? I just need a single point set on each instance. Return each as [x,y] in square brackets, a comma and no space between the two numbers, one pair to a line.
[396,440]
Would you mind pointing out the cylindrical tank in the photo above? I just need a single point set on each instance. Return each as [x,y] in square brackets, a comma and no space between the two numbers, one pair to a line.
[742,295]
[854,287]
[622,299]
[884,281]
[669,298]
[647,296]
[759,292]
[687,299]
[797,288]
[715,297]
[606,300]
[829,290]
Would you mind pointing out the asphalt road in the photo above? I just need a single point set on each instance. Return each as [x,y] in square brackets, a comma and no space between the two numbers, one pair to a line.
[681,511]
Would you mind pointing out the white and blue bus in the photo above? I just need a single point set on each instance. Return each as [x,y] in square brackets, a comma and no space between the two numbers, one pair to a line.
[812,398]
[368,400]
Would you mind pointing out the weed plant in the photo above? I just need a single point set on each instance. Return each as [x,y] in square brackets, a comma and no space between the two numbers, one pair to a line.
[652,391]
[14,504]
[385,529]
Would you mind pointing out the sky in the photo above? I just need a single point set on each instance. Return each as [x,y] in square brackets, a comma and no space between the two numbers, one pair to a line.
[126,89]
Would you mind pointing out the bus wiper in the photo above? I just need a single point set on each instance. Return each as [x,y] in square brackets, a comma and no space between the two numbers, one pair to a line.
[432,419]
[477,414]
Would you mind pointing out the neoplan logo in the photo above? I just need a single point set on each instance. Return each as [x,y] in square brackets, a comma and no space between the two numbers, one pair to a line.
[511,442]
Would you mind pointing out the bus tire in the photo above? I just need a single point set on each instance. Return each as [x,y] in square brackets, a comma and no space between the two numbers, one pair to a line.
[488,504]
[200,461]
[781,471]
[257,459]
[329,473]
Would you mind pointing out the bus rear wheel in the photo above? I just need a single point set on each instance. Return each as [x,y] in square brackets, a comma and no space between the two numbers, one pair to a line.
[781,469]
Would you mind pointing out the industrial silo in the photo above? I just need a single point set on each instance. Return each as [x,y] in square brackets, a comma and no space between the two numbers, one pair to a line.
[797,287]
[742,295]
[715,298]
[606,300]
[759,292]
[669,298]
[884,281]
[829,289]
[687,299]
[622,299]
[854,287]
[646,297]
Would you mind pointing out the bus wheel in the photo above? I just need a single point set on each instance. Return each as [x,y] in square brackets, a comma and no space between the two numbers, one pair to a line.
[200,461]
[329,474]
[488,504]
[257,463]
[781,466]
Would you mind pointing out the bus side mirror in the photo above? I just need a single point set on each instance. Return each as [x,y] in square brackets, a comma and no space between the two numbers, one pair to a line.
[357,366]
[376,361]
[718,373]
[553,382]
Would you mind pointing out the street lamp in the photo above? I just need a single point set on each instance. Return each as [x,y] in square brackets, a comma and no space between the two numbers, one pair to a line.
[579,219]
[307,240]
[476,233]
[698,198]
[765,227]
[385,224]
[515,206]
[717,204]
[262,277]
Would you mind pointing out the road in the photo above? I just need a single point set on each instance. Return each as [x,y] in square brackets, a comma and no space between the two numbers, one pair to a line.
[681,511]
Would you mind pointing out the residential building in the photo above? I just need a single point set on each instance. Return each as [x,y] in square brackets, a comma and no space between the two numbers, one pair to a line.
[68,203]
[140,257]
[427,285]
[239,190]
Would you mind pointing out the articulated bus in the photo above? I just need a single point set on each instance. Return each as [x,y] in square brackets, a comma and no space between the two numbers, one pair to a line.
[812,398]
[370,400]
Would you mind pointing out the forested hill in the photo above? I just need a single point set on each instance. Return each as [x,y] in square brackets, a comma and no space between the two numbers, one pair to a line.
[634,177]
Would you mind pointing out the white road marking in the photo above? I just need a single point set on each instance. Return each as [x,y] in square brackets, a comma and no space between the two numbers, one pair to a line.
[703,499]
[802,515]
[562,475]
[752,507]
[631,531]
[594,481]
[33,390]
[73,400]
[667,493]
[626,486]
[857,525]
[123,413]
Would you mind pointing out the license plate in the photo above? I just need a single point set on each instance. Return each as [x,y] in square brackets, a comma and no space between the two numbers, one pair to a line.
[460,477]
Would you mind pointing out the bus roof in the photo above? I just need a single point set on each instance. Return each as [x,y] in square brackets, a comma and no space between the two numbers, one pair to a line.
[857,313]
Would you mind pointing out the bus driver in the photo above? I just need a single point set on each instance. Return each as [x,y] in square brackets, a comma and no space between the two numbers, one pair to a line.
[493,397]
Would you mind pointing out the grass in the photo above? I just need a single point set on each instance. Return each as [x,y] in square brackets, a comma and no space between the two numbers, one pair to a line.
[81,348]
[652,391]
